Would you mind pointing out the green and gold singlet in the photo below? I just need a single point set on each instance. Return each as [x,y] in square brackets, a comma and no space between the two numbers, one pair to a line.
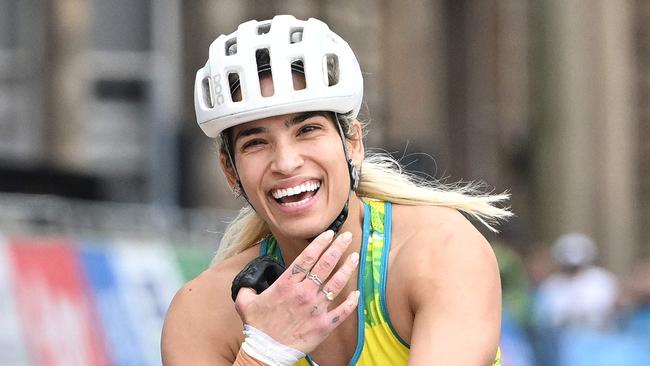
[378,343]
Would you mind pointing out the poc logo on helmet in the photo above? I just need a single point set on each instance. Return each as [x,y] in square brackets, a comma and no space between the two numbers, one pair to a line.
[218,89]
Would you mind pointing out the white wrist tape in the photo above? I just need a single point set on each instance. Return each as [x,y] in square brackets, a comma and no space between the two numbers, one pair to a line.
[262,347]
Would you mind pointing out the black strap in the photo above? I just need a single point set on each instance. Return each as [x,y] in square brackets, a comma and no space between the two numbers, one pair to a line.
[258,274]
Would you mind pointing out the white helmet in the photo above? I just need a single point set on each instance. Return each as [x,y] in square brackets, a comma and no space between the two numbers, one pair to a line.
[290,42]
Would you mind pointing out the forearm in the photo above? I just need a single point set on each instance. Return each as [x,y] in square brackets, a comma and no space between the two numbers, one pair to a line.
[244,359]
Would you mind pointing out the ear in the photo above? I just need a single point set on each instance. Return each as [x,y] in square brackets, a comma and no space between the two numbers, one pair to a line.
[228,171]
[356,150]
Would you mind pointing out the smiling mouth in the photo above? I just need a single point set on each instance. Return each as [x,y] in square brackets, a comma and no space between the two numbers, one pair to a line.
[295,196]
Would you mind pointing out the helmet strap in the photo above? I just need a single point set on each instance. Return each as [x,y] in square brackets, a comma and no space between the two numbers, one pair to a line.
[354,181]
[340,219]
[238,189]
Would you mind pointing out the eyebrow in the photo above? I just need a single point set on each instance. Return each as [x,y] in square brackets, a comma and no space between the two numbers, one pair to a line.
[302,117]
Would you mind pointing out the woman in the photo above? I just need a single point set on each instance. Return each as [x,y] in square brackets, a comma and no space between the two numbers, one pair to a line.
[359,236]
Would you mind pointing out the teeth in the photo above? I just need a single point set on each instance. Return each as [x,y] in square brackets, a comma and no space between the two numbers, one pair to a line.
[292,204]
[305,187]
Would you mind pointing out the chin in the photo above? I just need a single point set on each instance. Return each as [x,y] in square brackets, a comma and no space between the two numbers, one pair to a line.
[303,231]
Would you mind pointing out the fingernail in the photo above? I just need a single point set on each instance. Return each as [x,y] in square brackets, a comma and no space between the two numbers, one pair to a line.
[346,236]
[354,257]
[328,235]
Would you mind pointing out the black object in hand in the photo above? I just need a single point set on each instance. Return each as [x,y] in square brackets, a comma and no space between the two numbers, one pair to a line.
[258,274]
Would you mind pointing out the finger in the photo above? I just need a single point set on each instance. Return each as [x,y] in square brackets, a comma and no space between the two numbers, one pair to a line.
[301,266]
[326,263]
[341,312]
[337,282]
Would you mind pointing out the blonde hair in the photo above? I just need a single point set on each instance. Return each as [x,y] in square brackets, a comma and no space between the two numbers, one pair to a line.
[382,177]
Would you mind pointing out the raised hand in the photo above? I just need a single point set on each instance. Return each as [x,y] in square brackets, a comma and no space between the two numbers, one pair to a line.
[295,310]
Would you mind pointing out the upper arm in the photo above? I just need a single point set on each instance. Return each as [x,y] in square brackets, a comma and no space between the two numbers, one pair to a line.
[201,326]
[455,296]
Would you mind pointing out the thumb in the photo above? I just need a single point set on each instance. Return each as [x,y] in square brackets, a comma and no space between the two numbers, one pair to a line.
[244,297]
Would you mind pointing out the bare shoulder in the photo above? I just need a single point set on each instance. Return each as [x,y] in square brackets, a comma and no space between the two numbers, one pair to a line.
[440,243]
[440,226]
[450,282]
[202,326]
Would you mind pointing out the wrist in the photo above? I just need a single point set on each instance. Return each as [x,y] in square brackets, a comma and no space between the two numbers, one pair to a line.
[264,348]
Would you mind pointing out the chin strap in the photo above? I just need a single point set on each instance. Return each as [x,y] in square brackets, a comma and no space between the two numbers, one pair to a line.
[340,219]
[354,182]
[354,176]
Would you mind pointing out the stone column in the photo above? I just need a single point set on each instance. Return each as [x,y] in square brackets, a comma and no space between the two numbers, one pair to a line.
[481,144]
[564,167]
[413,86]
[68,83]
[584,153]
[642,21]
[617,151]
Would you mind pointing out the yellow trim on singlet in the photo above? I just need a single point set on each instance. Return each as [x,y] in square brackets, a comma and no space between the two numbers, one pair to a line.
[381,344]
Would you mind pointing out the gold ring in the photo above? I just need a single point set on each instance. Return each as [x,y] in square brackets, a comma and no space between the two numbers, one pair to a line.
[329,295]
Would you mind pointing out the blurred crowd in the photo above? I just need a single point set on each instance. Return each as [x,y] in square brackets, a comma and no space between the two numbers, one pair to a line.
[562,308]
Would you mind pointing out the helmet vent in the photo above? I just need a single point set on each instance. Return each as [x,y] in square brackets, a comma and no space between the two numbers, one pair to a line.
[231,46]
[296,35]
[207,92]
[233,83]
[262,57]
[298,66]
[263,28]
[331,68]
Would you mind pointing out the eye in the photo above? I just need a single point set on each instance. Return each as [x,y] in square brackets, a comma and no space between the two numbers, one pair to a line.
[252,144]
[308,128]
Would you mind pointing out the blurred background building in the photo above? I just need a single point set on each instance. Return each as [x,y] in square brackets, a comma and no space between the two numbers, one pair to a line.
[549,100]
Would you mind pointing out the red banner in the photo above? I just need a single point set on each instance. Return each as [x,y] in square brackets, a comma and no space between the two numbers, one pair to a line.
[52,296]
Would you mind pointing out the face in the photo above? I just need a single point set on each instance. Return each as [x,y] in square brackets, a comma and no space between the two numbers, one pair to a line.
[293,170]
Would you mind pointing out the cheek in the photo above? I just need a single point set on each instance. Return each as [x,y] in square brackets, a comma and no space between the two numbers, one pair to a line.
[249,172]
[248,177]
[333,161]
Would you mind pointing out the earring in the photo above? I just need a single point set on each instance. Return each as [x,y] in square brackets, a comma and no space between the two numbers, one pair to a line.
[236,191]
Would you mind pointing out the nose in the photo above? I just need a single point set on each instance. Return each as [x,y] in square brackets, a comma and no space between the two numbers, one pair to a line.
[286,159]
